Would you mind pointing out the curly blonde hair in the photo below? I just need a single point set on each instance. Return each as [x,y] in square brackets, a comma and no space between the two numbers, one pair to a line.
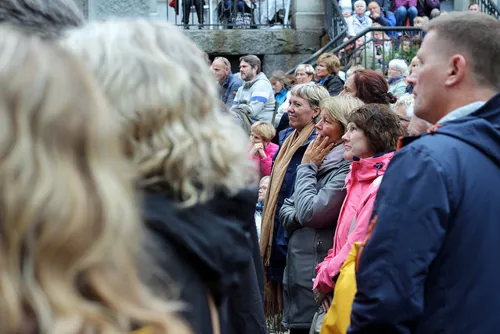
[71,234]
[166,101]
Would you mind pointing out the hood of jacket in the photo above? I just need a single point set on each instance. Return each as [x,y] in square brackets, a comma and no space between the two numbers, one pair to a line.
[211,237]
[333,157]
[367,170]
[260,76]
[480,129]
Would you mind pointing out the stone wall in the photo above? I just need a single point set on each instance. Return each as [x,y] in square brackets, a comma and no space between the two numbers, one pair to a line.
[280,49]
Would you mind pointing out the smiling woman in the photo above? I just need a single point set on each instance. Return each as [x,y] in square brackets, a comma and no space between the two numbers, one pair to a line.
[304,113]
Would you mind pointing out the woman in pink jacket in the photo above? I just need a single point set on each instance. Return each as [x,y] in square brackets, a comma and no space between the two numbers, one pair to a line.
[371,138]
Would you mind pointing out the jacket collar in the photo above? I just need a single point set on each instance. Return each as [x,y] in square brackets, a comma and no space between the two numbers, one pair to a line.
[370,168]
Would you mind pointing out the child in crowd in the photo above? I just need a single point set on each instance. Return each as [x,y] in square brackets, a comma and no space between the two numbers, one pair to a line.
[259,208]
[262,150]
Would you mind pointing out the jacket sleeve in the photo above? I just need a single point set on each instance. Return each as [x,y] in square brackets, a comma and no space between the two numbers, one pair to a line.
[287,215]
[318,208]
[261,93]
[390,18]
[231,94]
[411,216]
[332,264]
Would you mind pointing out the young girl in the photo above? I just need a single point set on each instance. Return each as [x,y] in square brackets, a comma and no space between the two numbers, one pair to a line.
[262,150]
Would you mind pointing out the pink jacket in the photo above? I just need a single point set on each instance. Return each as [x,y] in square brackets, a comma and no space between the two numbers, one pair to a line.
[362,184]
[266,163]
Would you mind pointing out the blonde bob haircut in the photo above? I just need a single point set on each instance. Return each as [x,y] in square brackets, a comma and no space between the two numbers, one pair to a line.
[331,62]
[71,234]
[313,93]
[264,129]
[167,105]
[340,108]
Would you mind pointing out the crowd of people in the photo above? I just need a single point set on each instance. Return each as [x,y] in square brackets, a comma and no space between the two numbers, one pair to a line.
[130,168]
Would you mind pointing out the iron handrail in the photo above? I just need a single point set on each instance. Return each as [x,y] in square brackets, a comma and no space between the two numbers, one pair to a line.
[335,49]
[489,7]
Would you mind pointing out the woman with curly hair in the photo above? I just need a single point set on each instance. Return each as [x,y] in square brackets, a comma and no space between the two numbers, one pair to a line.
[71,234]
[193,168]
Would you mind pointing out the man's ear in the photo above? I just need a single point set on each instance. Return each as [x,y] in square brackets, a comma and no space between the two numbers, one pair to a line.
[457,70]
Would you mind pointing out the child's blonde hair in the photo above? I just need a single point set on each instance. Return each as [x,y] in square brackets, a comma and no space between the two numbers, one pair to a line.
[264,129]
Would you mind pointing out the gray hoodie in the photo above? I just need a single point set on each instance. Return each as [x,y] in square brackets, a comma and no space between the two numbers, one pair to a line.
[256,99]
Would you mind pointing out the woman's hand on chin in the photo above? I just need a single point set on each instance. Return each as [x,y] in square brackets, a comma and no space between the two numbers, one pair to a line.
[317,151]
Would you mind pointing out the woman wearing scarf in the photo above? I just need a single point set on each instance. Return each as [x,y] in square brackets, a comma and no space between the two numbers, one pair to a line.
[304,112]
[310,215]
[327,72]
[360,20]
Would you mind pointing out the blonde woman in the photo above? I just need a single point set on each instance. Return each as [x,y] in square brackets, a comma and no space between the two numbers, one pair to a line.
[304,113]
[310,214]
[70,230]
[327,73]
[192,164]
[415,63]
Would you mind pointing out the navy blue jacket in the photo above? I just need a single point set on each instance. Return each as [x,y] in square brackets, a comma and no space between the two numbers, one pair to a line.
[279,248]
[386,18]
[432,263]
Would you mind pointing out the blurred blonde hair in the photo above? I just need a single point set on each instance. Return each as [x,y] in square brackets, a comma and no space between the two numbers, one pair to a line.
[166,101]
[311,92]
[340,107]
[70,229]
[331,62]
[264,129]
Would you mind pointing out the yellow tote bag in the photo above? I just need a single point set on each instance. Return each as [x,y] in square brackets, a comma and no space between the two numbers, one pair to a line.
[338,317]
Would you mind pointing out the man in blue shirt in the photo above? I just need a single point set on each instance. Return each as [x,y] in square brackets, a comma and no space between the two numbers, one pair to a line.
[229,83]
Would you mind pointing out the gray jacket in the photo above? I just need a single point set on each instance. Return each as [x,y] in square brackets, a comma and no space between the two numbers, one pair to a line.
[316,202]
[256,99]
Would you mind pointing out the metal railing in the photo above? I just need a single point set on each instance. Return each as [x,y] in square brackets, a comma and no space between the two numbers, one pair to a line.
[229,14]
[488,7]
[373,48]
[335,24]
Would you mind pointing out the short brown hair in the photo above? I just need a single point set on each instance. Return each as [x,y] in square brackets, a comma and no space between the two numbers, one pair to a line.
[476,35]
[252,60]
[381,126]
[264,129]
[331,62]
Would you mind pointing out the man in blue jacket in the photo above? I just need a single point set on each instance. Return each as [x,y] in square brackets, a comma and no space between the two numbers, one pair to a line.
[381,16]
[228,82]
[431,260]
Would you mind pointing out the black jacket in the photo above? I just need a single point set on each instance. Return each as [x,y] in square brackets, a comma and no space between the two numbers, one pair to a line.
[334,84]
[211,246]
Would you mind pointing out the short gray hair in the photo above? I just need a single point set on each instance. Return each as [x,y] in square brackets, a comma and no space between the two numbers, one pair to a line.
[46,18]
[399,65]
[406,101]
[307,68]
[360,2]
